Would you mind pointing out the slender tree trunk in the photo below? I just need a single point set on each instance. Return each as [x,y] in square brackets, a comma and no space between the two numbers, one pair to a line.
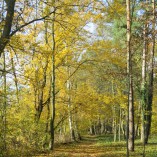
[102,126]
[143,87]
[119,129]
[78,136]
[4,104]
[123,129]
[15,79]
[4,115]
[95,130]
[42,85]
[53,105]
[46,142]
[130,82]
[52,121]
[72,132]
[150,76]
[92,130]
[98,126]
[114,117]
[4,108]
[115,129]
[138,120]
[47,126]
[114,124]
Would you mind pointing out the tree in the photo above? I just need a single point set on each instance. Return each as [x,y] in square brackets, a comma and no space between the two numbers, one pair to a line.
[4,106]
[130,81]
[53,75]
[151,74]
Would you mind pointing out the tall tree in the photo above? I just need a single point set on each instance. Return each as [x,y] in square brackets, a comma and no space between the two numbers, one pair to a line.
[53,75]
[148,115]
[130,81]
[143,85]
[4,111]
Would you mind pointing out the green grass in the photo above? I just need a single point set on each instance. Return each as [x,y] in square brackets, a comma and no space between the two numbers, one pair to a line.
[120,147]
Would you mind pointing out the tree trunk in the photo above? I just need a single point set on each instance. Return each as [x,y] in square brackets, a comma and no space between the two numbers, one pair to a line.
[72,132]
[130,82]
[5,37]
[102,126]
[143,84]
[15,78]
[47,122]
[150,77]
[78,136]
[114,125]
[138,121]
[4,116]
[92,130]
[120,120]
[143,87]
[41,102]
[53,84]
[115,129]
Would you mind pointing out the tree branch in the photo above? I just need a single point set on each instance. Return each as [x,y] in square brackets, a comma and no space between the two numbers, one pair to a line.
[30,22]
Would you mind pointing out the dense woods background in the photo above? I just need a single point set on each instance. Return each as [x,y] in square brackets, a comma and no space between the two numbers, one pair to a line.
[71,68]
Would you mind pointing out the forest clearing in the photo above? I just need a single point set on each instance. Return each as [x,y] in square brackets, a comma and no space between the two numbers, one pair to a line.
[78,78]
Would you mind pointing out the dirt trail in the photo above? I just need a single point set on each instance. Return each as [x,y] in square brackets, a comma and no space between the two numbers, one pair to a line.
[88,147]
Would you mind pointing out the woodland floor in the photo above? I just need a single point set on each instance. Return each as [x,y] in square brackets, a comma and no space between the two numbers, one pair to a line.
[101,146]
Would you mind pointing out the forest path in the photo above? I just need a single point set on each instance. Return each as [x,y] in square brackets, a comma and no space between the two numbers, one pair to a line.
[90,146]
[101,146]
